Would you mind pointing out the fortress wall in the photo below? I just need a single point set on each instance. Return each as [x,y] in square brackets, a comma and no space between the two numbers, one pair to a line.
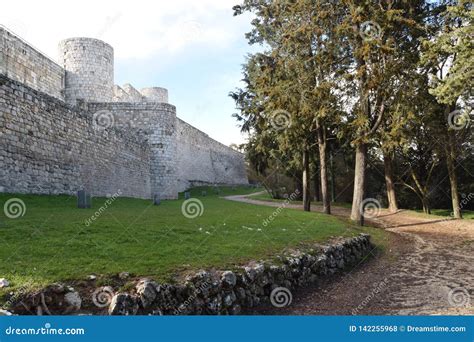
[139,146]
[21,62]
[48,147]
[156,124]
[201,160]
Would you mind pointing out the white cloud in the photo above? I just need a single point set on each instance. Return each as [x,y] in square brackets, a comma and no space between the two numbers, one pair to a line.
[136,29]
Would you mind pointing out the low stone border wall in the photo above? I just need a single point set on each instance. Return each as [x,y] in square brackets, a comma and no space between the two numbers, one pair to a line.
[213,292]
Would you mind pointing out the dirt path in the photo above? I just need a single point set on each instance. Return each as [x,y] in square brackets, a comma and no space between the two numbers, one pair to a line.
[428,269]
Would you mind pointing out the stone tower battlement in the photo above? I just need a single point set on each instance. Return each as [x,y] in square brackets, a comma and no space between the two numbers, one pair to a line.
[89,67]
[66,126]
[155,94]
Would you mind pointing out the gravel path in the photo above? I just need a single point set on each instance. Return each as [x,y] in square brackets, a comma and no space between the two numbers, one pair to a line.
[428,269]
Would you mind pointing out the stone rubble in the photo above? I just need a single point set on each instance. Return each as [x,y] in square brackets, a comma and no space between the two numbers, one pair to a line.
[73,300]
[123,304]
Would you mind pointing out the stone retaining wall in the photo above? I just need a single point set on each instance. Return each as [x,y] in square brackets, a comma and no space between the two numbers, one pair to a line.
[210,292]
[230,292]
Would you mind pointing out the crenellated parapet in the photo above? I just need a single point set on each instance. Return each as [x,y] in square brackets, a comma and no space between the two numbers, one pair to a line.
[132,93]
[120,95]
[128,93]
[155,94]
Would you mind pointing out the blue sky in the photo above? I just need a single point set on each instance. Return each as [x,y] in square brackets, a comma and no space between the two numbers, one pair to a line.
[195,49]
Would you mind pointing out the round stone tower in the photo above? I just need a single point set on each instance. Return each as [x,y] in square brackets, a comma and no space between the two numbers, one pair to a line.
[89,65]
[155,94]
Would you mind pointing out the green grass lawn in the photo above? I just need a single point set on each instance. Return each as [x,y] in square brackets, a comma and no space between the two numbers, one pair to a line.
[52,242]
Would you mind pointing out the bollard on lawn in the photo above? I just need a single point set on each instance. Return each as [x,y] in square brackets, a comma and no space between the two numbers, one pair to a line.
[156,199]
[187,195]
[84,199]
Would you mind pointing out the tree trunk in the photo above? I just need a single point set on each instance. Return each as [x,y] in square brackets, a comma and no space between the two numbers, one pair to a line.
[316,181]
[426,205]
[361,147]
[333,181]
[391,195]
[323,170]
[306,182]
[359,183]
[450,160]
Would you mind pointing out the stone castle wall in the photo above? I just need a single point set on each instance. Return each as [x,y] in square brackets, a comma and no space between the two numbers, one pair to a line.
[74,128]
[23,63]
[202,161]
[48,147]
[155,123]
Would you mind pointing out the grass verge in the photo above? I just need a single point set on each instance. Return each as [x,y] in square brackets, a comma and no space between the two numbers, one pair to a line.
[53,241]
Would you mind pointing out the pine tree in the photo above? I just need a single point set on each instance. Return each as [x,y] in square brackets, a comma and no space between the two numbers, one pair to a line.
[450,55]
